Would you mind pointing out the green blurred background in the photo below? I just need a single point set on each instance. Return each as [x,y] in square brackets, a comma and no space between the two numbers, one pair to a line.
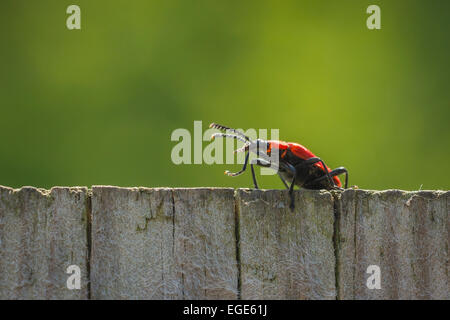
[98,105]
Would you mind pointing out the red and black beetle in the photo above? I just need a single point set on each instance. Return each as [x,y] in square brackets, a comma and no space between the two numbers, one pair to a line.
[296,163]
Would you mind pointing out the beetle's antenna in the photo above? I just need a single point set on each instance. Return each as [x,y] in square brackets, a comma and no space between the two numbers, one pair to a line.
[243,148]
[227,135]
[223,128]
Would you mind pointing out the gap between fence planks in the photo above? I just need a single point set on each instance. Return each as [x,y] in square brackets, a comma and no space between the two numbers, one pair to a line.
[221,243]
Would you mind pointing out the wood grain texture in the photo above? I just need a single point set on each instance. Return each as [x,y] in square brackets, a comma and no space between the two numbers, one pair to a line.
[163,244]
[405,233]
[41,234]
[284,254]
[221,243]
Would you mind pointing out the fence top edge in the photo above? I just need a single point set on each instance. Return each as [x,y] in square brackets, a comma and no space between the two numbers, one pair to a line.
[43,191]
[84,188]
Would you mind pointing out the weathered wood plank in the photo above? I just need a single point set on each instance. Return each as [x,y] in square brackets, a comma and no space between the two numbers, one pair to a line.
[284,254]
[203,243]
[163,244]
[131,228]
[406,234]
[41,234]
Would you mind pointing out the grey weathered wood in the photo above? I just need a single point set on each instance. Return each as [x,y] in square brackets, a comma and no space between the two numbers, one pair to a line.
[41,234]
[163,244]
[206,243]
[405,233]
[284,254]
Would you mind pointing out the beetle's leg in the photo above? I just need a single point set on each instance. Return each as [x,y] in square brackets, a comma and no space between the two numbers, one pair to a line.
[312,161]
[293,170]
[290,168]
[231,174]
[291,194]
[254,176]
[260,162]
[333,173]
[341,170]
[264,163]
[284,181]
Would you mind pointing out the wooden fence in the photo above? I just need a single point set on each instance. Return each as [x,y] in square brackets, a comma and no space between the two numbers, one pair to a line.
[221,243]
